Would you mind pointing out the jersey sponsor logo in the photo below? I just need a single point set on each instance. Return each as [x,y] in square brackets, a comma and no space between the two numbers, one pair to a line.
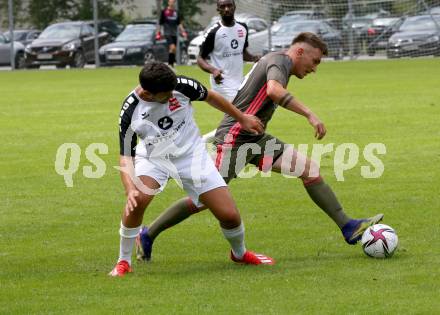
[173,104]
[145,115]
[165,123]
[234,44]
[240,33]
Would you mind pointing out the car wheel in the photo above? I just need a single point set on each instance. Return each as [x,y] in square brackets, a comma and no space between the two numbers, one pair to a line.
[33,67]
[62,66]
[79,60]
[20,62]
[149,57]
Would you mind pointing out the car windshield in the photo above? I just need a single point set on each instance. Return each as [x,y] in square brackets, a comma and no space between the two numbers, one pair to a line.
[18,35]
[61,31]
[419,23]
[136,33]
[286,29]
[385,21]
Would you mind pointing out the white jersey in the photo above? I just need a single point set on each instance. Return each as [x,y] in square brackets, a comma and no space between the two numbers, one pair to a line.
[225,46]
[162,129]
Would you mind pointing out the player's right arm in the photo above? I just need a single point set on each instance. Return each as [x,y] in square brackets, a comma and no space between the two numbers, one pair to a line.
[127,145]
[248,122]
[277,92]
[206,48]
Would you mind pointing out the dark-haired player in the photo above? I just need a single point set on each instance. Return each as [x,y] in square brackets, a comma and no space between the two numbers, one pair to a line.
[160,114]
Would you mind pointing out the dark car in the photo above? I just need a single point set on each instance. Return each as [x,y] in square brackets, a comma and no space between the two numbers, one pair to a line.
[380,31]
[24,36]
[417,36]
[61,44]
[136,45]
[5,53]
[283,35]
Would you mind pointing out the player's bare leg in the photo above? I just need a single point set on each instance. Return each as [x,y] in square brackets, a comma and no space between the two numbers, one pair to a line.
[221,204]
[131,222]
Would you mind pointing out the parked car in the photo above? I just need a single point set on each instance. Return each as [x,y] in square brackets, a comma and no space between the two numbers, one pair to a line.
[61,44]
[255,25]
[433,11]
[136,45]
[417,36]
[379,33]
[296,15]
[5,53]
[282,37]
[112,27]
[23,36]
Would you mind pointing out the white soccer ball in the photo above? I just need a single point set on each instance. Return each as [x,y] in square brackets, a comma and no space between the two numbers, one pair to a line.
[379,241]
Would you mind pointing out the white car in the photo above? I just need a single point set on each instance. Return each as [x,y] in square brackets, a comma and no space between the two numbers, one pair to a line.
[255,25]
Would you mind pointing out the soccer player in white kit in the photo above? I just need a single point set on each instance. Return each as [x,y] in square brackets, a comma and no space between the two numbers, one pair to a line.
[159,113]
[226,44]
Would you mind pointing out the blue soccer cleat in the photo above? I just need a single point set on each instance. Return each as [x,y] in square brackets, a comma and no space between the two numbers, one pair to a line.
[354,229]
[144,245]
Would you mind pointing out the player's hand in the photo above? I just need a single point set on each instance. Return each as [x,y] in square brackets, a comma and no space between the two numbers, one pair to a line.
[217,75]
[319,127]
[158,36]
[131,203]
[252,124]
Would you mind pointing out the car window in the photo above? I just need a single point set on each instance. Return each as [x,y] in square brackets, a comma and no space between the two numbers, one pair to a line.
[259,25]
[2,39]
[33,35]
[61,31]
[87,30]
[419,23]
[136,33]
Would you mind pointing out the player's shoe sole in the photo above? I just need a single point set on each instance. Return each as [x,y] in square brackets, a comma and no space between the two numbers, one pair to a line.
[144,245]
[121,269]
[354,229]
[251,258]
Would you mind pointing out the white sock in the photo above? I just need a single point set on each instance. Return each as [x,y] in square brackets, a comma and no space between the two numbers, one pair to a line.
[235,237]
[128,237]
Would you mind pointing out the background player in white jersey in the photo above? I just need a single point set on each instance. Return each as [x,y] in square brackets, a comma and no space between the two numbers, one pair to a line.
[159,113]
[226,44]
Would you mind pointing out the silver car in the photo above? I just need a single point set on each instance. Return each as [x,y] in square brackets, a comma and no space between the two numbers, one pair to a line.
[5,53]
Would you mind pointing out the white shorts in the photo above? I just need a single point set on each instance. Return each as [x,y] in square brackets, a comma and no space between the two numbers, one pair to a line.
[195,172]
[228,93]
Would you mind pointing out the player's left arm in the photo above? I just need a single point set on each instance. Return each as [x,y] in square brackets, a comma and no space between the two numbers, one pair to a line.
[282,97]
[247,56]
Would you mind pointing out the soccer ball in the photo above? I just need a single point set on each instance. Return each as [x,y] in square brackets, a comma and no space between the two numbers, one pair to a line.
[379,241]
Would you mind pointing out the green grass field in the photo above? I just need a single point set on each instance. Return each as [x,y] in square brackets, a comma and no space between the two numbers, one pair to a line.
[57,244]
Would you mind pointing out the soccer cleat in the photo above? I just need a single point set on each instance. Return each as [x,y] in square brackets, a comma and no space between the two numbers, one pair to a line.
[251,258]
[144,245]
[120,269]
[354,229]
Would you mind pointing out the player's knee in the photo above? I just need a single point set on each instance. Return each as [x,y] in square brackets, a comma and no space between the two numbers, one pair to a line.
[230,218]
[311,173]
[142,201]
